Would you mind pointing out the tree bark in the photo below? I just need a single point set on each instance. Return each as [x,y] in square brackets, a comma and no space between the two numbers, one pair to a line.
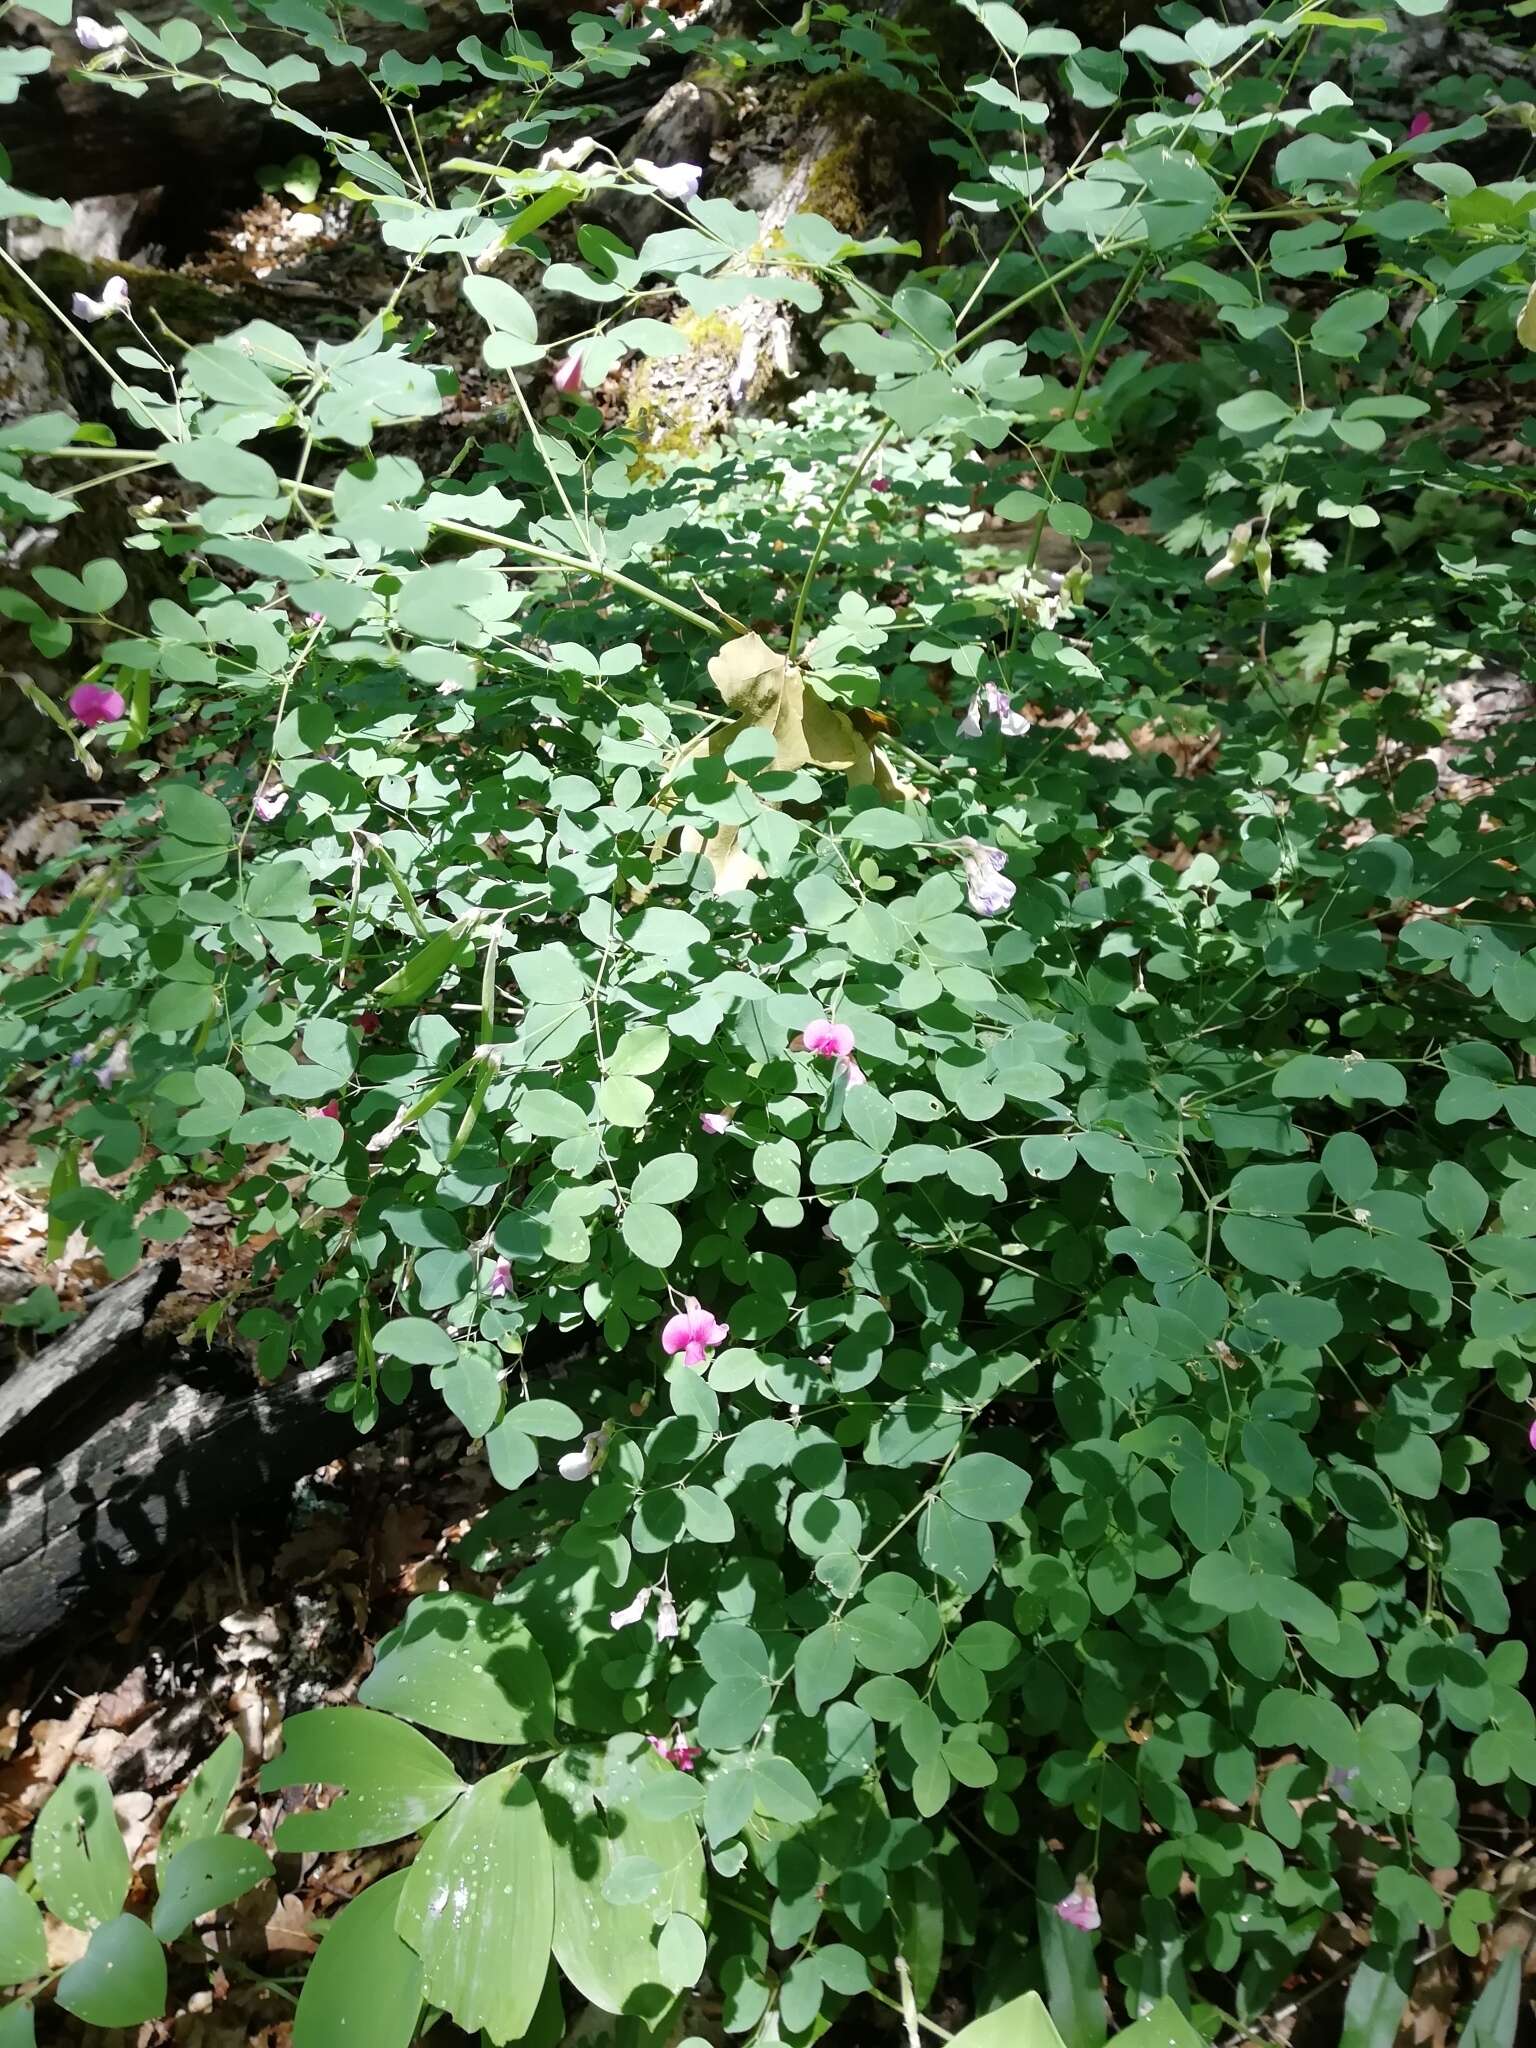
[130,1446]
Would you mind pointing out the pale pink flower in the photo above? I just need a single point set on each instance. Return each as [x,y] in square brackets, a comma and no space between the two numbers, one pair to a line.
[622,1617]
[694,1332]
[666,1617]
[501,1278]
[270,802]
[715,1122]
[95,704]
[567,377]
[1080,1909]
[853,1074]
[95,35]
[583,1463]
[114,1066]
[987,887]
[672,181]
[990,702]
[831,1041]
[114,299]
[571,158]
[1419,125]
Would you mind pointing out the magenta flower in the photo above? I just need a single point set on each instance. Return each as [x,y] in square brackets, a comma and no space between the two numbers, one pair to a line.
[715,1122]
[694,1332]
[95,704]
[831,1041]
[501,1278]
[1419,125]
[1080,1909]
[567,377]
[1533,1436]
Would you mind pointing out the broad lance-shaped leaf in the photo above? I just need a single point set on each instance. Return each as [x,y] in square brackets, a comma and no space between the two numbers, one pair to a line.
[120,1980]
[465,1667]
[395,1779]
[363,1989]
[611,1951]
[77,1851]
[478,1908]
[1071,1971]
[1021,2023]
[200,1810]
[23,1939]
[203,1875]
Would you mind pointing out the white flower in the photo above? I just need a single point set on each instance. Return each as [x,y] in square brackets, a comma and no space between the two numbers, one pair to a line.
[666,1617]
[270,802]
[114,299]
[672,181]
[621,1617]
[570,158]
[992,702]
[715,1122]
[583,1463]
[94,35]
[989,890]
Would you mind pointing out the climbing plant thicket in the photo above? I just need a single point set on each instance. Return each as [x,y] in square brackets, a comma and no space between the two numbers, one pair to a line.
[960,1139]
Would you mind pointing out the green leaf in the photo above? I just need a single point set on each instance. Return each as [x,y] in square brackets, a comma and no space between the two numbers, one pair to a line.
[617,1955]
[1207,1504]
[364,1983]
[415,1341]
[78,1853]
[653,1235]
[23,1939]
[203,1875]
[203,1801]
[120,1981]
[395,1780]
[1163,2027]
[466,1668]
[984,1487]
[478,1907]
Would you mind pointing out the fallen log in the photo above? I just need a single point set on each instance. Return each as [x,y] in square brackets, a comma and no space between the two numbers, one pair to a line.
[132,1446]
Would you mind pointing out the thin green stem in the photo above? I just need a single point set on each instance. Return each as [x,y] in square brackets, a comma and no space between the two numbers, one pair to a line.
[834,514]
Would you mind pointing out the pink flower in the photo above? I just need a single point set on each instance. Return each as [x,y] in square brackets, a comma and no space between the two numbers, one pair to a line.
[369,1022]
[675,1749]
[992,702]
[831,1041]
[501,1278]
[880,483]
[567,377]
[271,801]
[1080,1909]
[1533,1436]
[94,704]
[986,886]
[1419,125]
[622,1617]
[715,1121]
[314,618]
[331,1109]
[694,1332]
